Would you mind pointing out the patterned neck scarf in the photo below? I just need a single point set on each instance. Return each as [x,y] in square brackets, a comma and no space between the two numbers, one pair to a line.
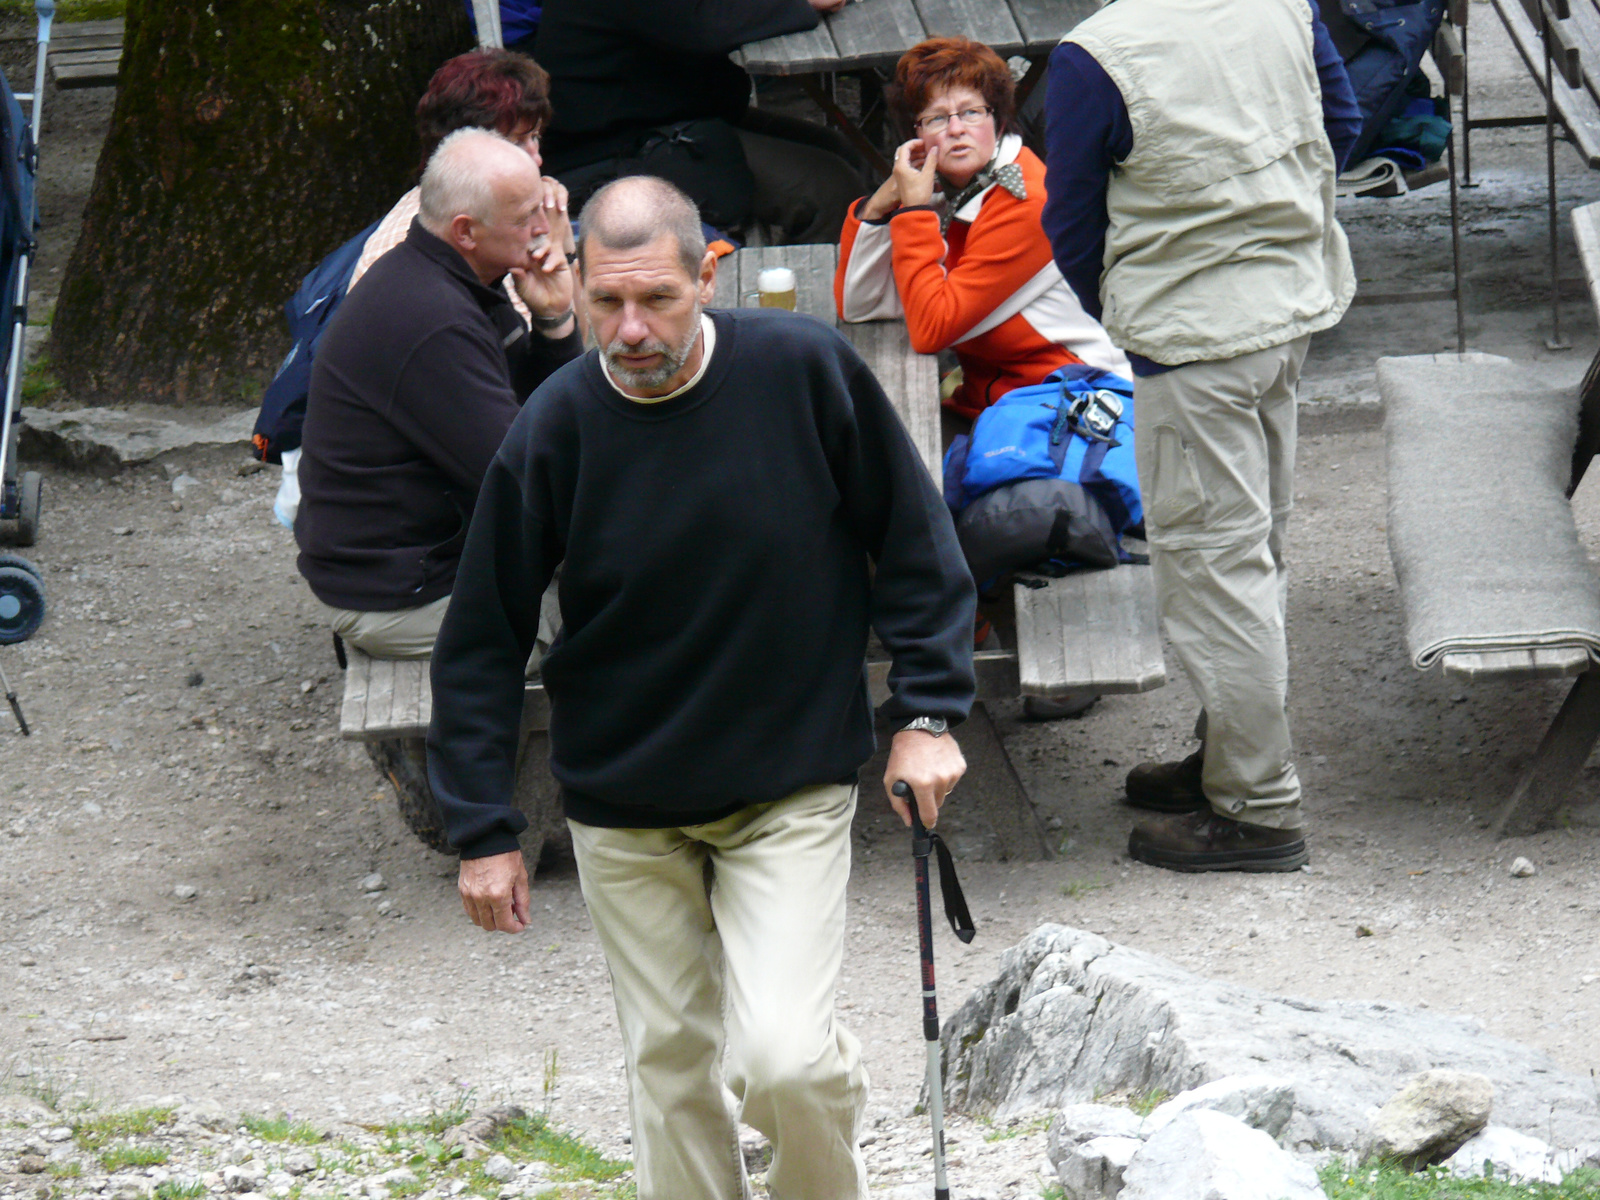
[1008,177]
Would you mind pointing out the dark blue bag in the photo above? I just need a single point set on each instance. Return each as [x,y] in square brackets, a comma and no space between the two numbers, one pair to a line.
[1382,43]
[283,405]
[1033,433]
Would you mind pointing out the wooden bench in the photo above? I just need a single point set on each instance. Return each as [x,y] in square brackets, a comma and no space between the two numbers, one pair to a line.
[85,54]
[1546,779]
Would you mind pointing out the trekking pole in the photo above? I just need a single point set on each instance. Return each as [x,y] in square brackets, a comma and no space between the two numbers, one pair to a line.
[923,843]
[16,706]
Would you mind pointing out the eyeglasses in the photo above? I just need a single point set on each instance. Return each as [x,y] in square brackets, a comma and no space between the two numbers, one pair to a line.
[940,121]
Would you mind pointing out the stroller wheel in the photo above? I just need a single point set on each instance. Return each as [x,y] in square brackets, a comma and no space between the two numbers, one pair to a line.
[21,605]
[22,564]
[30,501]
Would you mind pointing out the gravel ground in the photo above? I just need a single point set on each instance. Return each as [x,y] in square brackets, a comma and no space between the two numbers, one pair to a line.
[183,913]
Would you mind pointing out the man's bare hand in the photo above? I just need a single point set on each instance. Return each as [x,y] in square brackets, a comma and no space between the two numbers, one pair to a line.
[494,891]
[555,211]
[547,286]
[826,7]
[931,765]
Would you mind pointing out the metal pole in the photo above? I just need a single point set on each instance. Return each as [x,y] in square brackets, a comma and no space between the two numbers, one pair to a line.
[1555,341]
[1466,112]
[1455,246]
[16,707]
[921,847]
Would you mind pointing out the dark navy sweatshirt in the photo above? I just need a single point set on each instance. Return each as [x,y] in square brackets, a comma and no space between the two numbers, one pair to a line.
[723,554]
[1088,133]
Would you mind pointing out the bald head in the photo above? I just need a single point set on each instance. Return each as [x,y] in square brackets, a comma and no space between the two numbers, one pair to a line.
[635,211]
[474,172]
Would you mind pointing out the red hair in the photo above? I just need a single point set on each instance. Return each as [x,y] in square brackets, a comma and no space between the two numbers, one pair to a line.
[935,66]
[483,89]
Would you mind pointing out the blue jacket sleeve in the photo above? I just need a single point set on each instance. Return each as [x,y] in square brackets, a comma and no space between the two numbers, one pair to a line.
[1087,132]
[1341,115]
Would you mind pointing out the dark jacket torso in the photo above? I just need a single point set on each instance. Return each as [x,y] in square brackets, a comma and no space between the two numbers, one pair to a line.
[414,386]
[620,67]
[723,556]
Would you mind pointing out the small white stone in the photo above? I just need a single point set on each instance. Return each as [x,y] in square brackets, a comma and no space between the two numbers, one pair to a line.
[184,484]
[1521,868]
[500,1168]
[373,883]
[185,891]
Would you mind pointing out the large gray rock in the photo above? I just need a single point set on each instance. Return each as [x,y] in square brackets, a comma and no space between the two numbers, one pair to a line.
[1095,1170]
[1428,1120]
[1070,1014]
[1077,1123]
[107,439]
[1260,1101]
[1204,1155]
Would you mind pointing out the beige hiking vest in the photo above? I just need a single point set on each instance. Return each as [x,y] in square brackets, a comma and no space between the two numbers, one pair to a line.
[1223,239]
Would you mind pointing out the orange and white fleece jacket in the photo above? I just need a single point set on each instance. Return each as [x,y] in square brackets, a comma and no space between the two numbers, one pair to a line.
[988,289]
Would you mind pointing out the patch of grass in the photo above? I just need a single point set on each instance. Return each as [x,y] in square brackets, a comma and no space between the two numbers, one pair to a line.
[572,1158]
[39,382]
[128,1154]
[94,1133]
[69,10]
[1053,1191]
[39,1082]
[1015,1129]
[1145,1103]
[173,1190]
[66,1170]
[282,1128]
[1074,888]
[1343,1182]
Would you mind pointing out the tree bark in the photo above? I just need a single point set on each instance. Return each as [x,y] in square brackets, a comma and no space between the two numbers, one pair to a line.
[249,138]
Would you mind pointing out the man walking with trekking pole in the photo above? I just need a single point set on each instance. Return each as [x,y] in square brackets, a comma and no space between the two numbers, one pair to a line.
[734,502]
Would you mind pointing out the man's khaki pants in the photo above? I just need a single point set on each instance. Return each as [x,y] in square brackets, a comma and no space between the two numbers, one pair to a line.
[731,934]
[399,633]
[1216,445]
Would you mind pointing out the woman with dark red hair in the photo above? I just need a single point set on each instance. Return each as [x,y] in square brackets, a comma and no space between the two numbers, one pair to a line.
[483,89]
[952,240]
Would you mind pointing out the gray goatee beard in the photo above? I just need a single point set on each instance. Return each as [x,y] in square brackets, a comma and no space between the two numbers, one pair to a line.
[651,378]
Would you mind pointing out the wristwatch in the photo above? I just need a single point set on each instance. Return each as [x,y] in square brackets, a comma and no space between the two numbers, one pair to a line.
[937,726]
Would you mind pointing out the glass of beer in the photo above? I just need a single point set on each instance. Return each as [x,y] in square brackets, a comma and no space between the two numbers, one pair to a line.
[776,286]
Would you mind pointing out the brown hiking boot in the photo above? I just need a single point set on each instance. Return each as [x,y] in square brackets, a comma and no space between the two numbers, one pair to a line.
[1170,787]
[1209,841]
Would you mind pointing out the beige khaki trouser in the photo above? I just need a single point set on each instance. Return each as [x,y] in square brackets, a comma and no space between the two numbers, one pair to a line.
[399,633]
[1216,444]
[730,936]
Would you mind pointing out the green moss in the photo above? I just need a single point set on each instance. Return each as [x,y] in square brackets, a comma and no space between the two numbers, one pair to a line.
[534,1137]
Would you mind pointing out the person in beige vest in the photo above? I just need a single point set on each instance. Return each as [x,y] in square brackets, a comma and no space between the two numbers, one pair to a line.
[1192,149]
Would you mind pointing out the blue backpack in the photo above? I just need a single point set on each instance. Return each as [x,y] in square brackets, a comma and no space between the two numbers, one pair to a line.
[283,404]
[1047,476]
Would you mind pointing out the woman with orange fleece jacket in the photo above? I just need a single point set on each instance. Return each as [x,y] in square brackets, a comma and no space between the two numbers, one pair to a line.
[970,270]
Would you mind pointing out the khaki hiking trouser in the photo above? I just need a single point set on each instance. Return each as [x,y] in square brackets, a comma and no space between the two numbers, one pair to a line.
[731,935]
[1216,447]
[399,633]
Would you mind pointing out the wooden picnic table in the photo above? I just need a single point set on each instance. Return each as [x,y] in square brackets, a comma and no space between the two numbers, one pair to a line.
[870,34]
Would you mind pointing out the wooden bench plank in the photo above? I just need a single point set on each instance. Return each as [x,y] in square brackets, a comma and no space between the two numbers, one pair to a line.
[1045,22]
[1557,662]
[63,31]
[911,382]
[1450,59]
[77,45]
[727,294]
[791,54]
[1564,53]
[92,75]
[982,20]
[874,31]
[1574,106]
[1092,629]
[1586,232]
[353,712]
[87,58]
[410,680]
[380,693]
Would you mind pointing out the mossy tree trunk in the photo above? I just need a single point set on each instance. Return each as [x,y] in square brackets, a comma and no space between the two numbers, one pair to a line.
[249,138]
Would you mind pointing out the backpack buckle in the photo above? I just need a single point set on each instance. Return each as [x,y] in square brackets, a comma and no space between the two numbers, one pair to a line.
[1094,415]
